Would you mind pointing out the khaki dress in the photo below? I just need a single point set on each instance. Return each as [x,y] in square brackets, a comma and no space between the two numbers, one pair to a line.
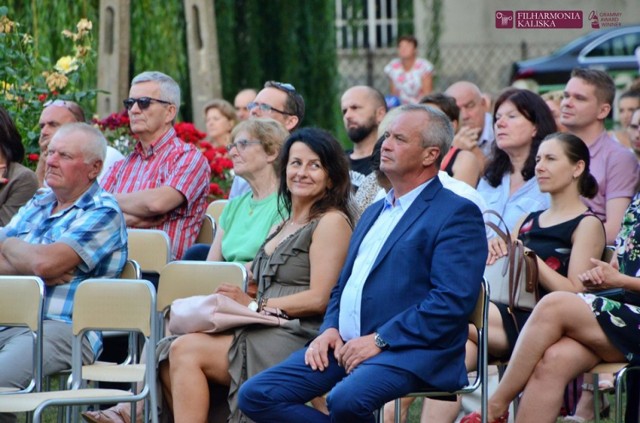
[255,348]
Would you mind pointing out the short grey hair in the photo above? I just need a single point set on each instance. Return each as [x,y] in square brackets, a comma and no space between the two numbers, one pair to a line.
[437,131]
[94,146]
[169,88]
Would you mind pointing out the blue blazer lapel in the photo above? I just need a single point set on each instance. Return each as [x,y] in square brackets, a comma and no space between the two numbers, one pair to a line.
[417,209]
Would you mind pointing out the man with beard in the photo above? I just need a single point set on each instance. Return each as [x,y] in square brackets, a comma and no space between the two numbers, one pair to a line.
[362,110]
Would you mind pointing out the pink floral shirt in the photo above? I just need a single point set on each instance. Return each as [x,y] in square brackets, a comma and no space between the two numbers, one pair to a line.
[408,83]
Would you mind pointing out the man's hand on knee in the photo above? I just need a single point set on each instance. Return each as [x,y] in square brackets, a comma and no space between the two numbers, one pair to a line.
[317,354]
[356,351]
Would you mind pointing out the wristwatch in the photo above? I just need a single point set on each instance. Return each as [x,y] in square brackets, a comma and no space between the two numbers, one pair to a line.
[380,343]
[253,306]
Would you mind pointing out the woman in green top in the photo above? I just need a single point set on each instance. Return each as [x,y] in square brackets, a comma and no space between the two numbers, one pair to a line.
[246,220]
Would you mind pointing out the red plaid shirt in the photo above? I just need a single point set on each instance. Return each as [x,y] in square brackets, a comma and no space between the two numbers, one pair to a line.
[170,162]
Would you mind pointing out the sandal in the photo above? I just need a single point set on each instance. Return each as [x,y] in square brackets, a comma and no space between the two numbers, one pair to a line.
[606,386]
[111,415]
[604,410]
[475,417]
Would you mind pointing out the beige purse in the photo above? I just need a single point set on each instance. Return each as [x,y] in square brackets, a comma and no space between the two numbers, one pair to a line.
[513,279]
[217,313]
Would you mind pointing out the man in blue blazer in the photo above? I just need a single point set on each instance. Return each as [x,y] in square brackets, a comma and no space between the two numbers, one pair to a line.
[397,319]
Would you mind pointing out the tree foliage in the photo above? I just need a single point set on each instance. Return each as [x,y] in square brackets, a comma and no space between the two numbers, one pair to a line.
[285,40]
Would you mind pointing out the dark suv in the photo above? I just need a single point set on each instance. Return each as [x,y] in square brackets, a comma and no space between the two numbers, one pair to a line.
[611,50]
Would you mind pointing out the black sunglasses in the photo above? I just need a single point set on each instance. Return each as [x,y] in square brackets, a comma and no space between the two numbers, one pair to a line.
[143,102]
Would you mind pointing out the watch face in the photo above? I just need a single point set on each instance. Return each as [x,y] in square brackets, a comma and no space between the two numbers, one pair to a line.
[379,341]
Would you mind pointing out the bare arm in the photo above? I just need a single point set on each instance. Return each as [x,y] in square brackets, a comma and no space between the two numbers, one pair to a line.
[48,261]
[328,251]
[587,243]
[467,168]
[615,209]
[215,252]
[427,84]
[605,276]
[392,88]
[150,202]
[143,222]
[40,168]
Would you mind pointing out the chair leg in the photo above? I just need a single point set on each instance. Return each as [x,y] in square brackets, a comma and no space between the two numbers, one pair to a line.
[379,415]
[596,398]
[619,381]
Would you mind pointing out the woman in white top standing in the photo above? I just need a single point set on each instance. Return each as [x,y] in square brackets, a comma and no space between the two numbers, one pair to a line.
[410,77]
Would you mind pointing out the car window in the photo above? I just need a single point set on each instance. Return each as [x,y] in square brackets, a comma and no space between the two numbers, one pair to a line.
[622,45]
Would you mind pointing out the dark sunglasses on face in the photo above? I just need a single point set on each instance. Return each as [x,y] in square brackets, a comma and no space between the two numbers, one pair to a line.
[143,102]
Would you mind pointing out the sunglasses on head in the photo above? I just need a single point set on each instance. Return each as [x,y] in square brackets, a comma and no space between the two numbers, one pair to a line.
[282,86]
[143,102]
[72,107]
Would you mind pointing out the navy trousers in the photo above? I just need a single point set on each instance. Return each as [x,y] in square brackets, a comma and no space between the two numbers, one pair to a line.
[280,394]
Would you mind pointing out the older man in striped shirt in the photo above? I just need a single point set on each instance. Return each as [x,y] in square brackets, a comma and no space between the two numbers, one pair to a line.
[163,184]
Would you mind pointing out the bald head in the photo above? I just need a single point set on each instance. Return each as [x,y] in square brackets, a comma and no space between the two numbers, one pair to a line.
[472,104]
[367,94]
[362,110]
[242,99]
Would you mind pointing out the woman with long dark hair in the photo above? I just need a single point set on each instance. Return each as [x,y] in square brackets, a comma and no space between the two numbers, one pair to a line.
[522,121]
[295,269]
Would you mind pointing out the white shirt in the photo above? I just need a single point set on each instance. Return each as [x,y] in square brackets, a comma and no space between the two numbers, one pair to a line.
[113,156]
[466,191]
[351,298]
[487,137]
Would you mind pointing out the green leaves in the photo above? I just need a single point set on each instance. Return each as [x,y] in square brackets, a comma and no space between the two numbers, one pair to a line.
[28,80]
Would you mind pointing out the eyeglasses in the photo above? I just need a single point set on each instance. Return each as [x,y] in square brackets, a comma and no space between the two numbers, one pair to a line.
[143,102]
[294,99]
[266,108]
[241,145]
[72,107]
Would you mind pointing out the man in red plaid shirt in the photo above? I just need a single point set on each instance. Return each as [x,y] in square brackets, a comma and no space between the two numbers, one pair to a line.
[163,184]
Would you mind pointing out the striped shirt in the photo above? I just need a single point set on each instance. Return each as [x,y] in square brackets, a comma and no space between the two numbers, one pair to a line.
[93,226]
[169,162]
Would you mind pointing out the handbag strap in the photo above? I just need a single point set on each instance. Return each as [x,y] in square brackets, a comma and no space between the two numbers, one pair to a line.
[505,235]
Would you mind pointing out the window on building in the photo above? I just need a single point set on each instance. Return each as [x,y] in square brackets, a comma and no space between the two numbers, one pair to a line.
[372,24]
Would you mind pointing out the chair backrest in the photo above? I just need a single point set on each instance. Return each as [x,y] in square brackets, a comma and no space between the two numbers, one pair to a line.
[207,230]
[215,209]
[181,279]
[114,304]
[21,304]
[21,301]
[480,312]
[151,248]
[131,270]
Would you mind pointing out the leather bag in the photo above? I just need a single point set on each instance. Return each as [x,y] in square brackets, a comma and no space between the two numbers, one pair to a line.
[217,313]
[513,279]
